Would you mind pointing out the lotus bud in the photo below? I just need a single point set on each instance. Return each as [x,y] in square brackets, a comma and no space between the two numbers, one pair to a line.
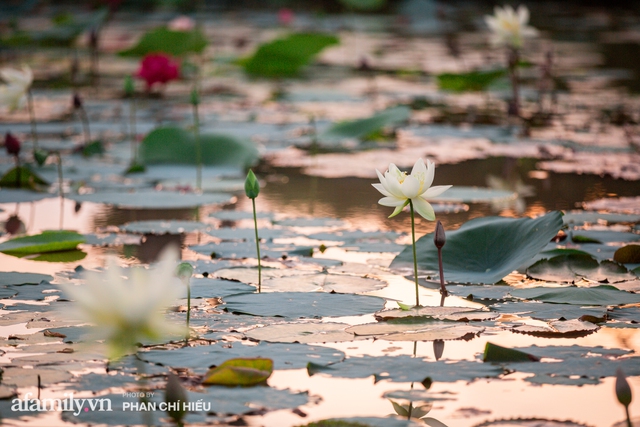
[438,348]
[184,272]
[77,101]
[251,185]
[195,97]
[12,144]
[439,237]
[623,390]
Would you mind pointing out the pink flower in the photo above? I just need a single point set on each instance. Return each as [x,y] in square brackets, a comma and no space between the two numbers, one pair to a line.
[285,16]
[158,68]
[181,23]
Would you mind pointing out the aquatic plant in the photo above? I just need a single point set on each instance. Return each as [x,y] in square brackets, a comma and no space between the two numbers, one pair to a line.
[195,101]
[623,393]
[509,29]
[401,190]
[176,396]
[127,311]
[158,68]
[14,93]
[184,272]
[439,239]
[252,189]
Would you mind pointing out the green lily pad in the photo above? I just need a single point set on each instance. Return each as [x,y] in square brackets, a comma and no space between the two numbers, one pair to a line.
[284,356]
[569,268]
[629,254]
[213,288]
[430,331]
[250,275]
[468,82]
[405,369]
[64,256]
[247,249]
[581,217]
[312,222]
[360,129]
[229,215]
[21,377]
[323,282]
[603,236]
[16,278]
[303,304]
[496,353]
[48,241]
[479,292]
[22,177]
[162,227]
[485,250]
[9,195]
[149,199]
[242,372]
[227,233]
[176,43]
[304,333]
[603,295]
[286,56]
[461,194]
[545,311]
[173,145]
[559,329]
[463,314]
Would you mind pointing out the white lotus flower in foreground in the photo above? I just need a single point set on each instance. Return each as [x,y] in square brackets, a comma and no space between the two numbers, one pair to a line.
[509,26]
[126,311]
[400,188]
[14,93]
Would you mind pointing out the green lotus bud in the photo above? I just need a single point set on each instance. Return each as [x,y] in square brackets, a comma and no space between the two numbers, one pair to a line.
[184,272]
[623,391]
[251,185]
[129,87]
[194,97]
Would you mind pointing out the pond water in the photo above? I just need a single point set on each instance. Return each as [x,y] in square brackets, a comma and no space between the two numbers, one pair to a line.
[330,321]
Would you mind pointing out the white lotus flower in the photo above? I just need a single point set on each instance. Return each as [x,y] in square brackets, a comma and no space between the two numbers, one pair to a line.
[400,188]
[126,311]
[509,26]
[14,93]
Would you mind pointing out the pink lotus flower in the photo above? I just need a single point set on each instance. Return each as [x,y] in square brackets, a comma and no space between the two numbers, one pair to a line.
[285,16]
[12,144]
[158,68]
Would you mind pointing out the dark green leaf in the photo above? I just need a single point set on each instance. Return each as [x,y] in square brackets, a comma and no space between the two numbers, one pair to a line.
[363,127]
[240,372]
[22,177]
[48,241]
[285,57]
[496,353]
[471,81]
[176,43]
[485,250]
[177,146]
[572,267]
[600,295]
[629,254]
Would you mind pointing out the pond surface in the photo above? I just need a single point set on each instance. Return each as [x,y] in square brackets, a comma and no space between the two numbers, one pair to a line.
[330,321]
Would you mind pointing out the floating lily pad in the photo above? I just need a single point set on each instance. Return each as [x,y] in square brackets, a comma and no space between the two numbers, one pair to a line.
[250,275]
[559,329]
[249,233]
[323,282]
[303,304]
[357,235]
[544,311]
[213,288]
[286,56]
[244,372]
[284,356]
[48,241]
[496,353]
[176,43]
[405,369]
[304,333]
[9,195]
[163,227]
[461,194]
[247,249]
[603,236]
[312,222]
[416,332]
[362,128]
[229,215]
[34,292]
[629,254]
[480,292]
[145,199]
[464,314]
[569,268]
[173,145]
[603,295]
[390,421]
[531,422]
[97,382]
[21,377]
[64,256]
[581,217]
[485,250]
[468,82]
[16,278]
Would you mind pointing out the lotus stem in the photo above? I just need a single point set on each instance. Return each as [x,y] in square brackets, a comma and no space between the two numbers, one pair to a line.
[413,246]
[32,119]
[196,126]
[60,189]
[255,223]
[188,311]
[142,382]
[85,125]
[18,181]
[513,60]
[132,126]
[629,423]
[439,239]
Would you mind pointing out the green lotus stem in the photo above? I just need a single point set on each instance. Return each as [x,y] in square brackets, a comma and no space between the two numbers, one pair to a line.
[85,125]
[60,190]
[629,423]
[255,224]
[514,58]
[132,126]
[32,119]
[196,126]
[413,246]
[18,181]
